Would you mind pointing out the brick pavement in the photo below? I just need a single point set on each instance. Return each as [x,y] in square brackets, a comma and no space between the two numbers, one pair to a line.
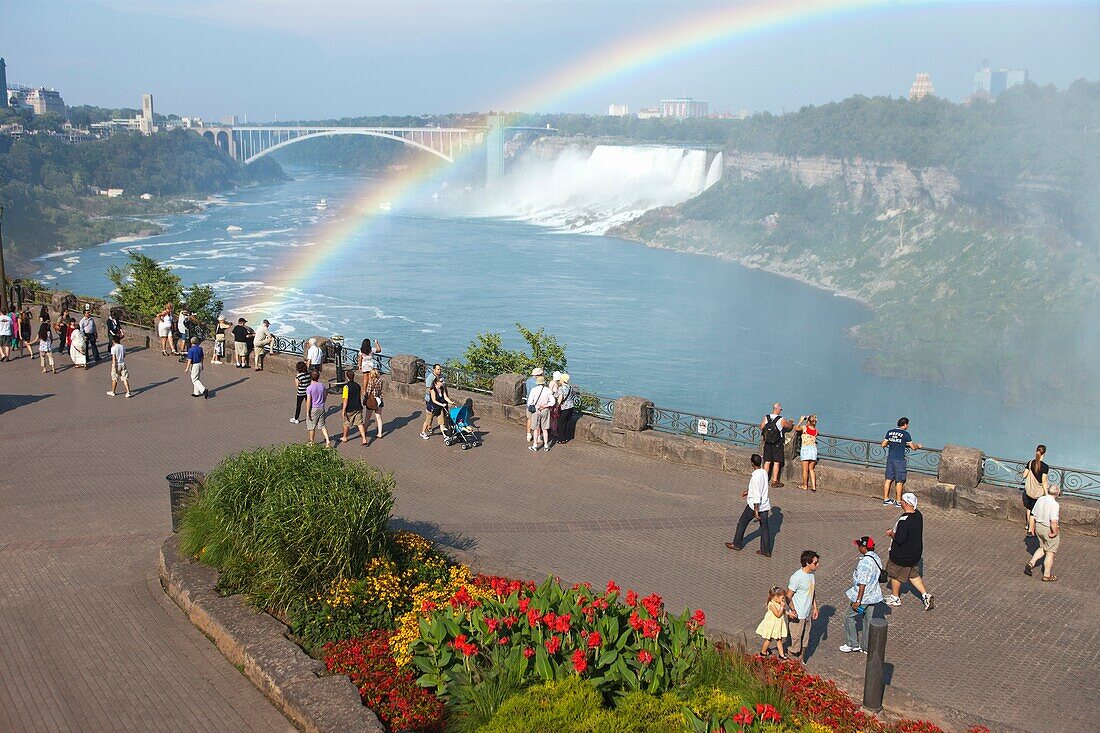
[86,632]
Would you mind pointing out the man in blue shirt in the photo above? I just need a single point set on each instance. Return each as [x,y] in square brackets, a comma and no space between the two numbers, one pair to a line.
[194,359]
[864,594]
[896,442]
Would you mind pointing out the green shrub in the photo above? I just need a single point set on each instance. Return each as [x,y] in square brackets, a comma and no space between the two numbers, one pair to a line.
[283,523]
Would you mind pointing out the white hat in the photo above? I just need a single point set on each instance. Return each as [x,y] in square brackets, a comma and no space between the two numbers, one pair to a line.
[536,372]
[556,376]
[313,342]
[910,498]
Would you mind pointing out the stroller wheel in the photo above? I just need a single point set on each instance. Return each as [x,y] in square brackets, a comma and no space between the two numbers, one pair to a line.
[466,447]
[446,441]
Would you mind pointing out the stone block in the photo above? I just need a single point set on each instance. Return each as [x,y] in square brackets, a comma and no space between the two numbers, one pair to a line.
[941,495]
[985,500]
[960,466]
[404,369]
[632,413]
[508,389]
[64,299]
[1080,516]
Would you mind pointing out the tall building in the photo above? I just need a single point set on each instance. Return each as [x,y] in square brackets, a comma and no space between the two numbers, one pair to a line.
[147,114]
[494,144]
[43,100]
[992,82]
[617,110]
[922,87]
[684,108]
[3,84]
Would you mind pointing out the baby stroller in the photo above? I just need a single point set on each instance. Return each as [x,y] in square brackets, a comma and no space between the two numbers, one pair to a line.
[457,428]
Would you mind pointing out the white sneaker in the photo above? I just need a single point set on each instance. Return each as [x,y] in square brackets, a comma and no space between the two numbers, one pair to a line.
[425,436]
[929,603]
[129,395]
[110,393]
[295,420]
[849,649]
[529,437]
[892,601]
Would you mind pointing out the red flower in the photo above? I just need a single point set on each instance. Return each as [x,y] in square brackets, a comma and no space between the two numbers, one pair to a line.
[635,621]
[631,598]
[553,644]
[594,640]
[534,618]
[562,624]
[744,717]
[645,657]
[492,624]
[699,617]
[650,628]
[528,652]
[510,620]
[611,587]
[653,604]
[427,607]
[523,604]
[463,598]
[580,661]
[503,640]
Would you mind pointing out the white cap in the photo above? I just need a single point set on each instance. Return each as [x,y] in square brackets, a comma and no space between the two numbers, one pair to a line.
[313,342]
[910,498]
[556,376]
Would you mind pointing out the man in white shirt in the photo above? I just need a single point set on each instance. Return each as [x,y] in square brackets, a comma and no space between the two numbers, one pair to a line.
[314,356]
[757,507]
[5,336]
[118,367]
[1045,513]
[261,342]
[802,603]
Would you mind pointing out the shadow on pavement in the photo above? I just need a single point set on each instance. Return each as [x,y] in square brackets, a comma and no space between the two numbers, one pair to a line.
[400,422]
[154,385]
[9,402]
[435,533]
[232,384]
[819,630]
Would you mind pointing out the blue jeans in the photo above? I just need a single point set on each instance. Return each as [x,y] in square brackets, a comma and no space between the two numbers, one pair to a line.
[853,636]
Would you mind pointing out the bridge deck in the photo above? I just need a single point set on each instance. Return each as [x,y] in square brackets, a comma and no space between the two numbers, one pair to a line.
[90,642]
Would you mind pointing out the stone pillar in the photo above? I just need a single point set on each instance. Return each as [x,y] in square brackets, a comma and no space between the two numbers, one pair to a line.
[508,389]
[404,368]
[960,466]
[632,413]
[64,299]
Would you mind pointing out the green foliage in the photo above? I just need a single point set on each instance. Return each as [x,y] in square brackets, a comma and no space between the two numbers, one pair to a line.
[487,354]
[477,694]
[282,524]
[144,287]
[203,302]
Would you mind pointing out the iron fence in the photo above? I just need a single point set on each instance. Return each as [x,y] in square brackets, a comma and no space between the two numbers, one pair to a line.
[1010,473]
[588,403]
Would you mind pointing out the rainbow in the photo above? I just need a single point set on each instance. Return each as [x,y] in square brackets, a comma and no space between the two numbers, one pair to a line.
[696,33]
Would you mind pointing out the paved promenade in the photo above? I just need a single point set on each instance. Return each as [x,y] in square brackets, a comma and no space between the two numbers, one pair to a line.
[89,642]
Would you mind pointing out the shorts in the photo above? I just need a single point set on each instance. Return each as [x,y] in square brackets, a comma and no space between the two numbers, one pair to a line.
[316,418]
[1029,503]
[773,453]
[433,408]
[240,348]
[120,373]
[219,349]
[901,572]
[808,453]
[353,419]
[895,470]
[1046,542]
[540,420]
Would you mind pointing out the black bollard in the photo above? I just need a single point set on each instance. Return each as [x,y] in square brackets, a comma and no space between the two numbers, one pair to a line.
[873,679]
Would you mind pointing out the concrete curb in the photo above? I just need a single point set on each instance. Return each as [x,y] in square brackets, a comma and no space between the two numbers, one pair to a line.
[257,645]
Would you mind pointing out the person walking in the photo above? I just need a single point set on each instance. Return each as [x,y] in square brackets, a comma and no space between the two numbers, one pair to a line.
[1036,485]
[263,340]
[430,377]
[61,331]
[77,345]
[165,320]
[7,330]
[240,344]
[351,409]
[529,387]
[118,367]
[193,359]
[114,326]
[26,331]
[772,429]
[864,594]
[773,627]
[45,344]
[91,335]
[315,408]
[802,603]
[567,401]
[372,400]
[757,506]
[903,562]
[807,428]
[539,403]
[314,356]
[301,381]
[1046,529]
[183,329]
[897,442]
[441,401]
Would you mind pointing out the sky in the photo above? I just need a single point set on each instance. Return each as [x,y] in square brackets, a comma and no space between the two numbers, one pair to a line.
[267,60]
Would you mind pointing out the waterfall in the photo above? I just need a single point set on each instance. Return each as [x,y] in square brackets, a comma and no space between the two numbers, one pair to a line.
[590,192]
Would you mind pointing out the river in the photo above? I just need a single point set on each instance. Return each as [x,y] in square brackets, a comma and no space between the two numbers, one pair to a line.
[687,331]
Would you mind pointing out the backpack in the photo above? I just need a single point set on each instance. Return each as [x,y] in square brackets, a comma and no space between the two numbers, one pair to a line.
[771,432]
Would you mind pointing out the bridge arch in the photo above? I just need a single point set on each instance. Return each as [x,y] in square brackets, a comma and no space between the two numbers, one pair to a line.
[222,140]
[371,133]
[208,136]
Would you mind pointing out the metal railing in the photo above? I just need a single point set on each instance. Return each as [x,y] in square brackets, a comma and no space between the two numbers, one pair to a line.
[1009,472]
[840,448]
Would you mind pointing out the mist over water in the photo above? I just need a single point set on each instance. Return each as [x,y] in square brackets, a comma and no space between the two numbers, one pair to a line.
[589,192]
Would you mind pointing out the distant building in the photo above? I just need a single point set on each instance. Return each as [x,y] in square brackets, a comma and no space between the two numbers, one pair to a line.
[111,193]
[43,100]
[617,110]
[991,83]
[684,108]
[922,87]
[648,113]
[230,120]
[3,84]
[146,119]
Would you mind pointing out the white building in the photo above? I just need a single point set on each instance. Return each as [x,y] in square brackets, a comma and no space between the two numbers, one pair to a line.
[684,108]
[922,87]
[618,110]
[145,123]
[648,113]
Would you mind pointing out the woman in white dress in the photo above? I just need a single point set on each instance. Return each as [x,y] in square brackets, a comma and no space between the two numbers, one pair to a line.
[164,328]
[77,346]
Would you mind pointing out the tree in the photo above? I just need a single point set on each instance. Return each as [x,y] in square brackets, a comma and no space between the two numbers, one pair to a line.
[487,355]
[144,286]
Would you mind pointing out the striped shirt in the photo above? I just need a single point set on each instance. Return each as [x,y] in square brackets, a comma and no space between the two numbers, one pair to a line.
[303,382]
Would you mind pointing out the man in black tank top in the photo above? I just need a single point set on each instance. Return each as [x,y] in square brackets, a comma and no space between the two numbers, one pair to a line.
[352,408]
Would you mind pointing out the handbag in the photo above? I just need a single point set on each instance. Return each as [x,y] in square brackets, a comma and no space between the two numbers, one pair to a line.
[370,402]
[1032,486]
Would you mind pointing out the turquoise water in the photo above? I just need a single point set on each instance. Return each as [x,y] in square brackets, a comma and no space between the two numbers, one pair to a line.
[689,332]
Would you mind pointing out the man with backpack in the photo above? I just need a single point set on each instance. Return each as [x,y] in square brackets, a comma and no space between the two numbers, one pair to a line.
[772,429]
[864,594]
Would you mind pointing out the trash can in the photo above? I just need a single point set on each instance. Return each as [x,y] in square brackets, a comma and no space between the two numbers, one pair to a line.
[180,486]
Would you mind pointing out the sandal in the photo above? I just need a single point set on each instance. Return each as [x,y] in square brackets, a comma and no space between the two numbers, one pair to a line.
[813,489]
[1050,578]
[784,657]
[802,486]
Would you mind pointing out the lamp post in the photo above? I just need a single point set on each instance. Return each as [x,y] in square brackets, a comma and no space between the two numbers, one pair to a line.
[3,276]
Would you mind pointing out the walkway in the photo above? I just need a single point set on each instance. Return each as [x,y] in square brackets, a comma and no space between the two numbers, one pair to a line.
[90,642]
